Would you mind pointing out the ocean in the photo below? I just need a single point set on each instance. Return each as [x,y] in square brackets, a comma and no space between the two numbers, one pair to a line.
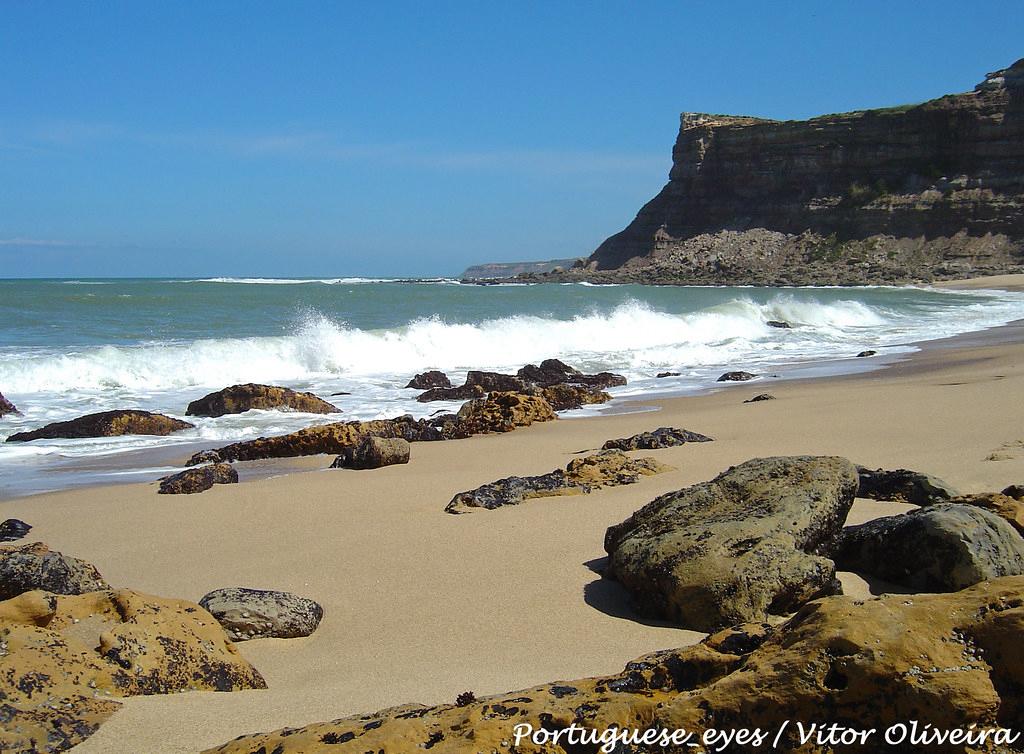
[72,347]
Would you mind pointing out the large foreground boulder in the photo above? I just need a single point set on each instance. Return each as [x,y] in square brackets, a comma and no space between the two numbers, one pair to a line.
[198,479]
[662,437]
[749,543]
[503,412]
[6,407]
[608,468]
[65,659]
[903,486]
[262,614]
[946,661]
[238,399]
[28,567]
[943,548]
[106,424]
[373,453]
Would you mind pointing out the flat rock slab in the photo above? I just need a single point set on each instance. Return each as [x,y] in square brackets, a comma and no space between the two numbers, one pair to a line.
[106,424]
[903,486]
[608,468]
[748,544]
[942,548]
[198,479]
[662,437]
[238,399]
[262,614]
[28,567]
[373,453]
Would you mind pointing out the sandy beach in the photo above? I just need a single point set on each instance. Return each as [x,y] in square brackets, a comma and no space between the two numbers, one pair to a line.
[421,605]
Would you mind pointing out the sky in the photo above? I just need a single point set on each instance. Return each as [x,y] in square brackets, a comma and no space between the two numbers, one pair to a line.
[329,139]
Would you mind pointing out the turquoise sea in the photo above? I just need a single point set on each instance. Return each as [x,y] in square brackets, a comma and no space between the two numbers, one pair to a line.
[70,347]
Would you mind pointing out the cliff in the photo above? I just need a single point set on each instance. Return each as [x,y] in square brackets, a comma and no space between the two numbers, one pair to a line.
[927,191]
[510,269]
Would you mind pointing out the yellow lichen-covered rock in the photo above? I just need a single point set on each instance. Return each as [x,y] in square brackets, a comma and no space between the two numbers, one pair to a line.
[63,660]
[503,412]
[949,661]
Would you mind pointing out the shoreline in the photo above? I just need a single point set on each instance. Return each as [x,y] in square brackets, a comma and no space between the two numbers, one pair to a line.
[421,605]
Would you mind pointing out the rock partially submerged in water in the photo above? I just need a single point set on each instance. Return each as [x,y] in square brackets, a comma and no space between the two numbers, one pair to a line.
[262,614]
[460,393]
[13,529]
[238,399]
[428,380]
[662,437]
[903,486]
[198,479]
[737,376]
[28,567]
[64,660]
[106,424]
[777,323]
[503,412]
[865,354]
[947,661]
[748,544]
[373,453]
[550,374]
[6,407]
[608,468]
[942,548]
[555,372]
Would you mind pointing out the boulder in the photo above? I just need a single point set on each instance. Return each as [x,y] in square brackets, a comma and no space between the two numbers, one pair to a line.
[608,468]
[662,437]
[1008,508]
[760,397]
[427,380]
[903,486]
[503,412]
[947,661]
[864,354]
[747,544]
[198,479]
[6,407]
[106,424]
[564,397]
[555,372]
[660,375]
[736,377]
[238,399]
[261,614]
[1016,491]
[491,381]
[779,324]
[942,548]
[372,453]
[35,566]
[65,659]
[460,393]
[13,529]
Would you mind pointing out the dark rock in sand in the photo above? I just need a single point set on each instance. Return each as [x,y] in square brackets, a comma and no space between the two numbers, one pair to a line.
[13,529]
[779,324]
[668,374]
[35,566]
[6,407]
[608,468]
[427,380]
[238,399]
[903,486]
[1008,508]
[460,393]
[761,397]
[564,397]
[555,372]
[198,479]
[1016,491]
[662,437]
[747,544]
[943,548]
[105,424]
[261,614]
[736,377]
[864,354]
[503,412]
[373,453]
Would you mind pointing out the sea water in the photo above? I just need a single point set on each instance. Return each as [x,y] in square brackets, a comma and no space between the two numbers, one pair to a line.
[72,347]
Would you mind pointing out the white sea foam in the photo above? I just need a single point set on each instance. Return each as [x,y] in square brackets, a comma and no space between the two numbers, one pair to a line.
[291,281]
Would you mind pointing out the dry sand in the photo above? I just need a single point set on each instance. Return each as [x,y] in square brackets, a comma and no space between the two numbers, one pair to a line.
[421,605]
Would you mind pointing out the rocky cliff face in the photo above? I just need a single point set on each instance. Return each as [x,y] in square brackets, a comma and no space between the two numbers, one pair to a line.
[916,192]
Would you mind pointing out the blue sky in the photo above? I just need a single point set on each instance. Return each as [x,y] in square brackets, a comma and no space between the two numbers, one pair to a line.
[332,139]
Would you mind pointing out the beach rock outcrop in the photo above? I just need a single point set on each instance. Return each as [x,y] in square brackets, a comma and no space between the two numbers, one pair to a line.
[947,661]
[262,614]
[553,377]
[563,397]
[555,372]
[238,399]
[28,567]
[6,407]
[13,529]
[430,379]
[1016,491]
[106,424]
[738,376]
[503,412]
[662,437]
[373,453]
[607,468]
[760,397]
[903,486]
[942,548]
[65,659]
[747,544]
[460,393]
[198,479]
